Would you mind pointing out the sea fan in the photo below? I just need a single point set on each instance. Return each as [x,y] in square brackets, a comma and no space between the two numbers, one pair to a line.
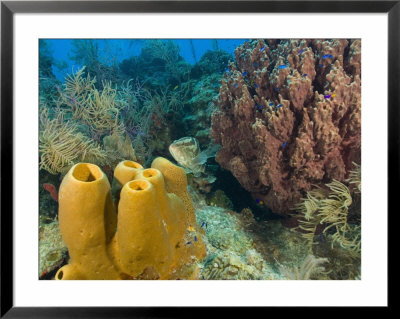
[62,145]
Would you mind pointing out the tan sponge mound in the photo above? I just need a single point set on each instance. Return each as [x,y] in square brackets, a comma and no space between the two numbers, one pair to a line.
[152,235]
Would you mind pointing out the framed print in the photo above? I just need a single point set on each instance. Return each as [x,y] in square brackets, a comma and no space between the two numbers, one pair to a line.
[160,155]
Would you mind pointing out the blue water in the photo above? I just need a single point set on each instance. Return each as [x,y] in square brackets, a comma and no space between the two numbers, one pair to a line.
[121,49]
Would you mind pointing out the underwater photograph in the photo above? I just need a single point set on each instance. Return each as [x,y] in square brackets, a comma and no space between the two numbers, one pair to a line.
[199,159]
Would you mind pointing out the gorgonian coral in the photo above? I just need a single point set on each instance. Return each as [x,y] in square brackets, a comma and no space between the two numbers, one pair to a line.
[289,116]
[61,145]
[330,208]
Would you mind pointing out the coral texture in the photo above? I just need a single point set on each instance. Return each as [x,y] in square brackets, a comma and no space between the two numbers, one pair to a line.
[289,116]
[155,235]
[52,250]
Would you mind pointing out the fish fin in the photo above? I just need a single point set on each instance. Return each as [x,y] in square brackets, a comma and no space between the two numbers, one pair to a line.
[206,154]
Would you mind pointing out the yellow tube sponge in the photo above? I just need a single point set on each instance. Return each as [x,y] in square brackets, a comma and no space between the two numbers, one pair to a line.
[142,239]
[176,183]
[154,235]
[123,173]
[171,207]
[87,223]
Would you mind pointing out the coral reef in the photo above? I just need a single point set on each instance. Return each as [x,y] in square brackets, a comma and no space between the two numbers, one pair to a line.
[200,105]
[52,250]
[284,201]
[211,62]
[289,116]
[230,249]
[159,65]
[100,62]
[154,236]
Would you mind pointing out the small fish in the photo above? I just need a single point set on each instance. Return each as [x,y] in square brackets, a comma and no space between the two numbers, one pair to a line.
[255,85]
[301,51]
[327,96]
[321,65]
[276,89]
[326,56]
[195,238]
[305,74]
[227,70]
[279,105]
[284,144]
[262,49]
[255,64]
[334,94]
[244,73]
[236,85]
[188,243]
[270,104]
[259,201]
[191,228]
[176,87]
[283,66]
[52,190]
[260,107]
[202,224]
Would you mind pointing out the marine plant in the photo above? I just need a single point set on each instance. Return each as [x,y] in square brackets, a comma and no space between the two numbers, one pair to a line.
[83,124]
[310,268]
[330,208]
[99,62]
[61,144]
[168,51]
[354,178]
[99,110]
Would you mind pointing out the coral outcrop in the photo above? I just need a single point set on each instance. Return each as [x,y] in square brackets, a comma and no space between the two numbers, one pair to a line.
[154,235]
[289,116]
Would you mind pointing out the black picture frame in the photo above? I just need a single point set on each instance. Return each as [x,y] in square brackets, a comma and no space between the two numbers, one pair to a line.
[9,8]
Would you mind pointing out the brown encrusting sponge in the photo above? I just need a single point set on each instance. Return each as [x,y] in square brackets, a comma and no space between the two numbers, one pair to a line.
[152,237]
[289,117]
